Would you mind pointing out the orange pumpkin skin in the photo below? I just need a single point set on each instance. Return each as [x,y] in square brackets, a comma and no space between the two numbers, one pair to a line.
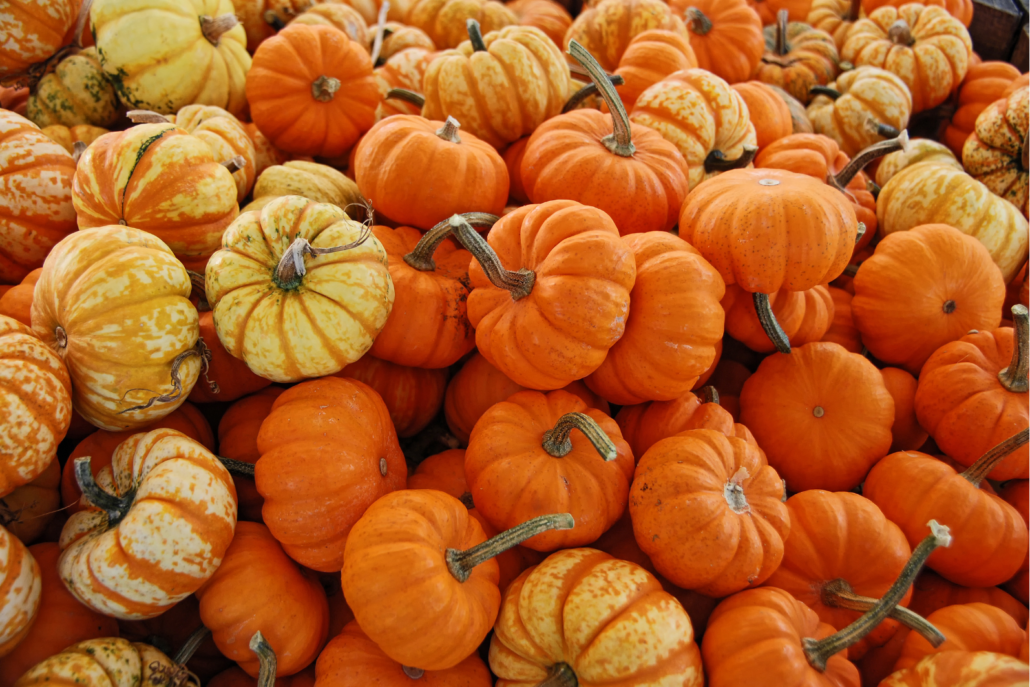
[237,439]
[960,9]
[727,39]
[233,377]
[843,330]
[968,627]
[990,537]
[410,530]
[444,21]
[993,153]
[415,177]
[754,638]
[443,472]
[33,31]
[768,112]
[961,669]
[1017,493]
[28,510]
[931,592]
[404,69]
[16,301]
[906,433]
[810,59]
[761,235]
[649,58]
[513,155]
[257,587]
[804,316]
[287,103]
[318,472]
[728,379]
[922,289]
[646,424]
[768,9]
[607,28]
[695,535]
[841,536]
[547,15]
[963,405]
[235,677]
[822,415]
[579,306]
[508,492]
[673,326]
[984,84]
[412,395]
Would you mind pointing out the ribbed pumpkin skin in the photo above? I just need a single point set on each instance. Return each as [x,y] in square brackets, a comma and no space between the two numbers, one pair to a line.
[963,405]
[115,183]
[650,57]
[28,510]
[673,327]
[226,137]
[968,627]
[698,113]
[934,193]
[237,439]
[265,154]
[547,15]
[322,449]
[919,150]
[444,20]
[811,60]
[232,376]
[20,590]
[607,28]
[733,47]
[646,424]
[768,112]
[35,405]
[931,67]
[443,472]
[768,9]
[503,93]
[320,183]
[993,154]
[316,328]
[76,92]
[583,607]
[33,30]
[145,564]
[906,432]
[833,17]
[35,196]
[338,15]
[984,84]
[251,14]
[404,69]
[804,316]
[181,68]
[101,662]
[413,395]
[112,302]
[67,137]
[960,9]
[961,669]
[404,37]
[867,93]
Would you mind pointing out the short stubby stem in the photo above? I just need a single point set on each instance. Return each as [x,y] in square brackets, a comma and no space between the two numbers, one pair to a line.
[708,394]
[560,675]
[716,160]
[697,21]
[475,35]
[1014,377]
[214,27]
[769,324]
[619,142]
[449,130]
[983,466]
[146,117]
[558,440]
[733,491]
[900,33]
[839,594]
[461,563]
[830,93]
[323,89]
[421,256]
[519,284]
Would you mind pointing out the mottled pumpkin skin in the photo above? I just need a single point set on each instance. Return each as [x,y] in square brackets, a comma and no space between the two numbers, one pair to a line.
[833,17]
[984,84]
[404,69]
[338,15]
[867,93]
[606,29]
[811,60]
[919,150]
[76,92]
[583,607]
[444,20]
[961,669]
[960,9]
[994,154]
[968,627]
[100,663]
[403,37]
[20,590]
[547,15]
[33,30]
[227,139]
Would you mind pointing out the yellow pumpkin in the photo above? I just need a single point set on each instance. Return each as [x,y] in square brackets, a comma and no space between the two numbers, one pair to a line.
[105,662]
[162,55]
[68,136]
[997,151]
[290,317]
[113,303]
[226,137]
[340,16]
[835,17]
[851,110]
[919,150]
[444,21]
[320,183]
[76,92]
[20,588]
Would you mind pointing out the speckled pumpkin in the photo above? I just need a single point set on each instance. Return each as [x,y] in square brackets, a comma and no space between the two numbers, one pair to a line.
[444,20]
[919,150]
[404,69]
[607,28]
[103,662]
[997,151]
[33,30]
[76,92]
[797,57]
[338,15]
[316,182]
[20,588]
[835,17]
[984,83]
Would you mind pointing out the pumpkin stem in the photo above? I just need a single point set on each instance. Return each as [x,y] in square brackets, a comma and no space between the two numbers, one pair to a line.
[214,27]
[853,12]
[782,48]
[80,23]
[274,20]
[830,93]
[199,349]
[881,129]
[1014,377]
[237,467]
[819,651]
[461,563]
[900,33]
[590,89]
[708,394]
[519,284]
[190,646]
[873,188]
[449,130]
[733,492]
[558,442]
[323,89]
[767,319]
[716,160]
[146,117]
[266,673]
[116,507]
[78,148]
[235,164]
[421,256]
[619,141]
[416,99]
[475,35]
[851,271]
[377,43]
[291,269]
[697,21]
[860,232]
[560,675]
[979,470]
[864,157]
[198,287]
[839,594]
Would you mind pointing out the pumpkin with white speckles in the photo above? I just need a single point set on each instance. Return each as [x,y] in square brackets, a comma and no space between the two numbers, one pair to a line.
[33,30]
[102,663]
[20,587]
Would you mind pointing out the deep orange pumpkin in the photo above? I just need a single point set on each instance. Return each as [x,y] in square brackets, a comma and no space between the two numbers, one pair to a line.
[968,627]
[906,433]
[237,440]
[768,112]
[16,302]
[1017,493]
[231,376]
[984,84]
[843,330]
[726,36]
[413,395]
[804,316]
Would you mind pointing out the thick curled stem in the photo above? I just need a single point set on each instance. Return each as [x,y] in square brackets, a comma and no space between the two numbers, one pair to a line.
[461,563]
[1014,377]
[266,673]
[199,349]
[619,142]
[146,117]
[190,646]
[839,594]
[716,160]
[697,21]
[560,675]
[291,269]
[475,35]
[557,441]
[830,93]
[519,284]
[416,99]
[782,47]
[818,652]
[767,319]
[841,180]
[116,507]
[377,42]
[708,394]
[587,91]
[214,27]
[421,256]
[983,466]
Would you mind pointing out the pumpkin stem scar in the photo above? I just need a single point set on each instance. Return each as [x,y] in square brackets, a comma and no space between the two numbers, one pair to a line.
[266,673]
[697,21]
[782,47]
[818,411]
[708,394]
[416,99]
[190,646]
[1014,377]
[768,321]
[291,269]
[413,673]
[900,33]
[979,470]
[198,349]
[237,467]
[818,652]
[323,89]
[841,180]
[558,441]
[590,89]
[461,563]
[619,141]
[116,507]
[421,256]
[475,35]
[716,160]
[830,93]
[560,675]
[380,34]
[519,284]
[734,494]
[839,594]
[214,27]
[948,307]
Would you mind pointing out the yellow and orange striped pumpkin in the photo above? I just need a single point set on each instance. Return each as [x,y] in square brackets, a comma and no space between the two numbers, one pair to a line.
[33,30]
[20,587]
[104,662]
[226,137]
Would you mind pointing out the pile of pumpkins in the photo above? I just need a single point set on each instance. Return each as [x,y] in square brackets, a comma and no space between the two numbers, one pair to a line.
[384,341]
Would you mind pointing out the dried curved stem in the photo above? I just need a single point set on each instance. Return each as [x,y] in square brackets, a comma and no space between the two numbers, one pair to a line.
[708,394]
[716,160]
[854,9]
[146,117]
[198,349]
[78,148]
[860,232]
[770,326]
[782,48]
[830,93]
[1014,377]
[577,98]
[619,142]
[237,467]
[421,256]
[324,88]
[116,507]
[291,269]
[475,35]
[266,673]
[560,675]
[235,164]
[416,99]
[841,180]
[881,129]
[839,594]
[557,441]
[461,563]
[983,466]
[519,284]
[697,21]
[214,27]
[377,42]
[190,646]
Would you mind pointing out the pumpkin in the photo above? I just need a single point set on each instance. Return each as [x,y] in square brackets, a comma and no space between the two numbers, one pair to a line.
[906,432]
[567,618]
[960,9]
[104,661]
[16,301]
[398,37]
[264,252]
[843,330]
[923,45]
[924,288]
[67,137]
[27,511]
[582,156]
[822,415]
[919,150]
[76,92]
[595,468]
[659,359]
[235,677]
[311,90]
[130,297]
[701,496]
[585,272]
[650,57]
[444,472]
[840,556]
[261,19]
[997,151]
[328,450]
[936,193]
[320,183]
[961,669]
[403,70]
[1017,494]
[443,615]
[606,29]
[60,621]
[112,185]
[237,440]
[227,139]
[419,172]
[984,84]
[338,15]
[351,659]
[804,316]
[257,588]
[547,15]
[797,10]
[265,154]
[413,395]
[968,627]
[932,592]
[973,394]
[500,86]
[445,21]
[797,57]
[768,112]
[35,181]
[513,155]
[21,586]
[128,555]
[728,379]
[14,99]
[835,17]
[34,31]
[726,36]
[852,109]
[201,57]
[226,377]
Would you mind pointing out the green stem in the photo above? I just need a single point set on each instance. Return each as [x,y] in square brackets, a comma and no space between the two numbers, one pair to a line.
[697,21]
[839,594]
[590,89]
[519,284]
[461,563]
[841,180]
[421,256]
[708,394]
[830,93]
[1014,377]
[475,35]
[416,99]
[116,507]
[557,441]
[266,673]
[767,319]
[983,466]
[619,141]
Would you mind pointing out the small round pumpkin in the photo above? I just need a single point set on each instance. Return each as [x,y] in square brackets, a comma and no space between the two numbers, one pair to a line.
[226,137]
[797,57]
[965,668]
[339,15]
[76,92]
[549,16]
[768,112]
[726,36]
[960,9]
[606,29]
[100,662]
[968,627]
[445,21]
[997,151]
[646,424]
[399,37]
[33,31]
[984,84]
[804,316]
[413,395]
[314,181]
[919,150]
[835,17]
[650,57]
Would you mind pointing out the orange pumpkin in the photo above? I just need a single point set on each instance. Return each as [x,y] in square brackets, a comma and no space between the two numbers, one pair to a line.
[998,150]
[1017,493]
[726,36]
[16,302]
[20,590]
[444,472]
[650,57]
[606,29]
[547,15]
[404,70]
[445,21]
[728,379]
[835,17]
[984,84]
[28,510]
[34,30]
[804,316]
[227,378]
[413,395]
[768,112]
[968,627]
[797,57]
[237,440]
[960,9]
[797,10]
[906,432]
[399,37]
[843,330]
[965,668]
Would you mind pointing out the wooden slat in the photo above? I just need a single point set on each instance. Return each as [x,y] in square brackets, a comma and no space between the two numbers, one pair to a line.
[995,28]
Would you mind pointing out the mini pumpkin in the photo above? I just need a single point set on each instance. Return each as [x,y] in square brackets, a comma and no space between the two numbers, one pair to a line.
[906,432]
[28,510]
[21,587]
[984,84]
[398,37]
[767,110]
[237,440]
[973,668]
[402,70]
[34,31]
[997,153]
[960,9]
[339,15]
[804,316]
[314,181]
[445,21]
[835,17]
[76,92]
[968,627]
[726,36]
[549,16]
[413,395]
[797,57]
[919,150]
[226,137]
[606,29]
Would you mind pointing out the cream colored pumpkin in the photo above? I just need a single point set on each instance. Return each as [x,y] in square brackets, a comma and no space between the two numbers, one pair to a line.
[20,587]
[105,662]
[340,16]
[76,92]
[68,136]
[919,150]
[868,97]
[320,183]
